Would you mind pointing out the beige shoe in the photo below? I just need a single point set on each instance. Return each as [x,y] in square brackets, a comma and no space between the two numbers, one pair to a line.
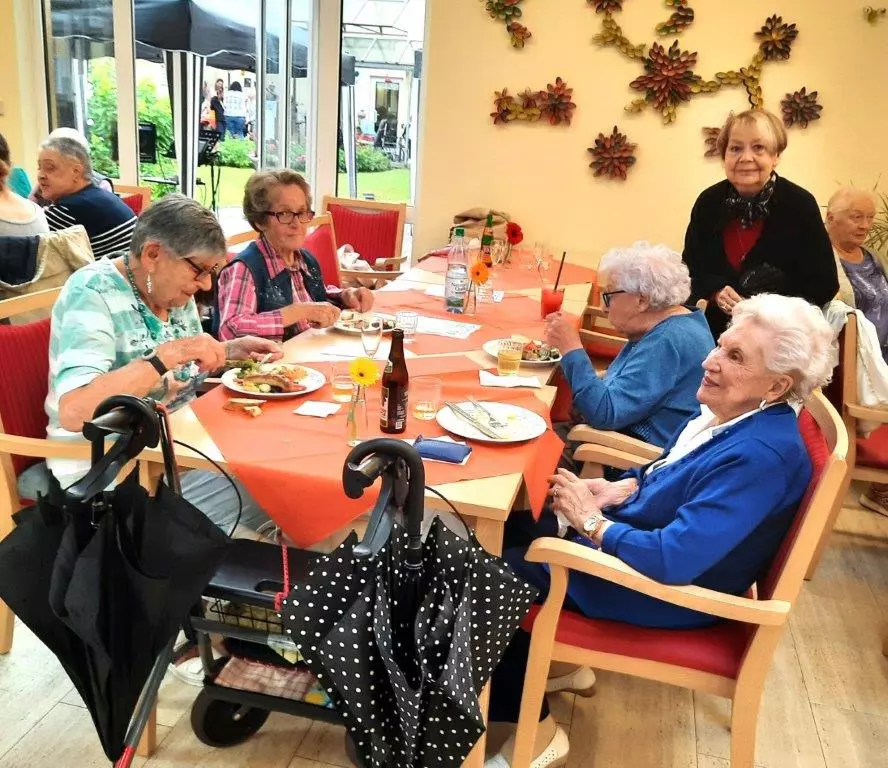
[554,755]
[874,502]
[581,682]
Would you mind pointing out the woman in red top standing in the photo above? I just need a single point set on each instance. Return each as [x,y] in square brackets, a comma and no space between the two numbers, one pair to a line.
[755,231]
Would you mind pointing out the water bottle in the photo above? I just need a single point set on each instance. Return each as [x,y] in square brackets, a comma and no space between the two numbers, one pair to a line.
[456,281]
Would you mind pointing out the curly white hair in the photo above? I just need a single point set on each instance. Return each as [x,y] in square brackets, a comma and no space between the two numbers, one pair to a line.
[654,271]
[801,342]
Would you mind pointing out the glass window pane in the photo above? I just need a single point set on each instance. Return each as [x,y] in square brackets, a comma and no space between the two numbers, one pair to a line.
[274,98]
[300,94]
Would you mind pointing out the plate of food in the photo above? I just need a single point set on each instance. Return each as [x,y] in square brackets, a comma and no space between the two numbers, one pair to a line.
[535,352]
[271,380]
[351,322]
[491,422]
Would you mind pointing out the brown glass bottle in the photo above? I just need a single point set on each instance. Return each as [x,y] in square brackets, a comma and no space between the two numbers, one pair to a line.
[395,382]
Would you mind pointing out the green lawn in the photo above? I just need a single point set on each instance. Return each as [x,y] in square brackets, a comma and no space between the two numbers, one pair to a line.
[391,186]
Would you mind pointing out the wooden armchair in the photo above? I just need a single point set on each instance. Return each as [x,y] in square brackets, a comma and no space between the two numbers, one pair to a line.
[730,659]
[373,229]
[601,448]
[137,198]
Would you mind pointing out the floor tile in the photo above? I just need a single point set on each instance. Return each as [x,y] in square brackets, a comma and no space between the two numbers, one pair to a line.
[325,741]
[852,739]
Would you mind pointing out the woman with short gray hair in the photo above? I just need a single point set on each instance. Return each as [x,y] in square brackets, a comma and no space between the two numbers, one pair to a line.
[64,177]
[648,390]
[129,325]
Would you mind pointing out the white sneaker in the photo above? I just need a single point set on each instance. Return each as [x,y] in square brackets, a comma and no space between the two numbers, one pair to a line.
[554,755]
[581,682]
[191,670]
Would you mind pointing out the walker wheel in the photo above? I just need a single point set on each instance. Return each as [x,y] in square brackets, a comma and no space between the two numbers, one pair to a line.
[220,723]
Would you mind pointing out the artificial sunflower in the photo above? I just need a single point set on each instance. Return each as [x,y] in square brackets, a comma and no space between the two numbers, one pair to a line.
[363,372]
[479,273]
[513,233]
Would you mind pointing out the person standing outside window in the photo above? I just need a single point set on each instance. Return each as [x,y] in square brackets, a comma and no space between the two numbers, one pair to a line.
[217,105]
[235,111]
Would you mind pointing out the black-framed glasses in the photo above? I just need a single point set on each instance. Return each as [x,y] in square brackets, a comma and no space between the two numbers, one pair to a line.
[287,217]
[606,297]
[200,272]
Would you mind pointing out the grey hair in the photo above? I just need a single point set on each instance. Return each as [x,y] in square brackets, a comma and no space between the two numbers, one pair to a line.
[842,198]
[181,225]
[70,148]
[654,271]
[802,343]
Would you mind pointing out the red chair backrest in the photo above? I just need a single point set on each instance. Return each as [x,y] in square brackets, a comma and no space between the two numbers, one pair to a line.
[24,382]
[134,202]
[818,452]
[373,234]
[319,243]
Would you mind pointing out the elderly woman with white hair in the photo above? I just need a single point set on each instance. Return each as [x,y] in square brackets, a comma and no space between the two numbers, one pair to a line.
[649,389]
[712,511]
[64,177]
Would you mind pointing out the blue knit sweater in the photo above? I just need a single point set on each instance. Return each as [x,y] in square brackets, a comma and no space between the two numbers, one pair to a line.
[651,386]
[714,518]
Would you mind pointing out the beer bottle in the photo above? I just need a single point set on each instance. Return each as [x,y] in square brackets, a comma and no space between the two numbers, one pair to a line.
[487,241]
[393,413]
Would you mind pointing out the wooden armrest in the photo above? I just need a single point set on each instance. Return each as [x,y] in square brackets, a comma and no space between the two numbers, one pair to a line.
[372,274]
[576,557]
[44,448]
[587,336]
[593,310]
[583,433]
[391,261]
[868,414]
[610,457]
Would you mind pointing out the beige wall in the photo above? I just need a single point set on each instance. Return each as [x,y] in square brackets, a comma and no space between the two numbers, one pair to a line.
[540,174]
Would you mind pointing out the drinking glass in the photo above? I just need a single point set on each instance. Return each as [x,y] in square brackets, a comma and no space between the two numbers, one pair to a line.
[551,300]
[341,382]
[407,322]
[371,334]
[543,257]
[508,357]
[425,394]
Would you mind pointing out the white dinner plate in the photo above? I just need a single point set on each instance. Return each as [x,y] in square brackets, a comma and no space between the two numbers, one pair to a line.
[490,347]
[313,381]
[521,424]
[357,331]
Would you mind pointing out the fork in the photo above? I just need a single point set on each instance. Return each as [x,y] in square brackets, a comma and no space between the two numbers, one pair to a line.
[494,421]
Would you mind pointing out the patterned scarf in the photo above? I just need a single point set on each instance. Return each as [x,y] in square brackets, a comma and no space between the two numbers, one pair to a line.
[750,209]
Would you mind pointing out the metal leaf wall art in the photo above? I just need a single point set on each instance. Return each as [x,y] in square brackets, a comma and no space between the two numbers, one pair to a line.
[508,12]
[554,105]
[800,108]
[710,141]
[612,155]
[682,17]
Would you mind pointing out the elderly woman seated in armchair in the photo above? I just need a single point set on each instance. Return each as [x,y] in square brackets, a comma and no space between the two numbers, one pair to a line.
[649,389]
[129,325]
[274,287]
[712,511]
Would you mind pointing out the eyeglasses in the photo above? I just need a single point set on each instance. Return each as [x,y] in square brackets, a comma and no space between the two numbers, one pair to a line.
[287,217]
[200,272]
[606,297]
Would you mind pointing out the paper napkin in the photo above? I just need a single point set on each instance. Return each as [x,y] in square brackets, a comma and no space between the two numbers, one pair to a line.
[317,408]
[489,379]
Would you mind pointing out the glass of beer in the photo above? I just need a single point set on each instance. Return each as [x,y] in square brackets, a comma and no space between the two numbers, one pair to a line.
[425,396]
[508,357]
[341,383]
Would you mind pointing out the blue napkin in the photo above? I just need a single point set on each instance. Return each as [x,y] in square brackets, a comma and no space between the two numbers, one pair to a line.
[441,450]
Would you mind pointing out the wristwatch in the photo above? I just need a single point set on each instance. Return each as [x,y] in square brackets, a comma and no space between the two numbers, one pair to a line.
[156,362]
[592,525]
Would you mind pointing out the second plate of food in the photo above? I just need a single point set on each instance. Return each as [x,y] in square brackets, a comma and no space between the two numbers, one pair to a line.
[514,423]
[351,322]
[273,380]
[533,353]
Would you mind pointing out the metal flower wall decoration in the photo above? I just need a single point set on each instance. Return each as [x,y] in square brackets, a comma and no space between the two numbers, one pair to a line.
[872,15]
[606,6]
[669,79]
[554,105]
[800,108]
[612,155]
[509,11]
[710,140]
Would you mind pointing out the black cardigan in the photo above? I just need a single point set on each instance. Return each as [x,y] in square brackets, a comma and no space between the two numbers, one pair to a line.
[793,240]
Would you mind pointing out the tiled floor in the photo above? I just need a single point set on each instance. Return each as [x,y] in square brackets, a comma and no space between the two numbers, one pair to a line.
[825,705]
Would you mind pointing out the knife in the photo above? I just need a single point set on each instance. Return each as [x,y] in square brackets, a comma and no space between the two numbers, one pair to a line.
[465,416]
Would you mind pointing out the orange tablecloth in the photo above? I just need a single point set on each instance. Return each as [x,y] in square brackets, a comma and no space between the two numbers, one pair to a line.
[517,277]
[292,465]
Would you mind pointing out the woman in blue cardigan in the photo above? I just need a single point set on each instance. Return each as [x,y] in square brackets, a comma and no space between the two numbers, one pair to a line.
[711,511]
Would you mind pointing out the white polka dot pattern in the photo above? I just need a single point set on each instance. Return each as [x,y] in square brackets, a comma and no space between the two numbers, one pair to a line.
[404,657]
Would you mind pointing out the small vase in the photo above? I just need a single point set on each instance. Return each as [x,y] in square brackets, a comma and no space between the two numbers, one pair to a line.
[471,300]
[357,421]
[507,254]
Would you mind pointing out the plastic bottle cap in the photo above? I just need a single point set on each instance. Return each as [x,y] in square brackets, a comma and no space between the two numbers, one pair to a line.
[459,232]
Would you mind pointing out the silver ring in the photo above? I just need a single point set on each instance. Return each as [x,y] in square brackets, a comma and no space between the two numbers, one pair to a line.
[555,492]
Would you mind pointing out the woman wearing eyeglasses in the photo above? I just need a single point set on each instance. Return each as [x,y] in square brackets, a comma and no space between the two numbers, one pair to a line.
[274,288]
[129,325]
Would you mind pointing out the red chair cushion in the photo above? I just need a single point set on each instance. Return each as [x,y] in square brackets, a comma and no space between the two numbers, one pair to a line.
[320,244]
[134,202]
[818,452]
[373,234]
[872,451]
[718,649]
[24,382]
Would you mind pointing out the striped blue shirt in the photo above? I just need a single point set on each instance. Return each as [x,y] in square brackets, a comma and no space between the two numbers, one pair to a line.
[109,222]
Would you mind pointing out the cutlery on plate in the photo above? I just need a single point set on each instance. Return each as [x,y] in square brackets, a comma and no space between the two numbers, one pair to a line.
[466,416]
[494,421]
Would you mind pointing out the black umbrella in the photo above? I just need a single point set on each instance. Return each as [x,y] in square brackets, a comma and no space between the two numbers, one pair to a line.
[404,633]
[111,576]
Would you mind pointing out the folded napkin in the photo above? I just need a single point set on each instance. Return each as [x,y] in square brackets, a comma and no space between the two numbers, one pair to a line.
[317,408]
[442,449]
[489,379]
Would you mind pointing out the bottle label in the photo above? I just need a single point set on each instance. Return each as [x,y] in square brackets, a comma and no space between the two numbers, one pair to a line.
[399,420]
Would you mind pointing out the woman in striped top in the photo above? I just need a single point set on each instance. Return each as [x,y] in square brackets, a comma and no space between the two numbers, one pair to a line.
[64,178]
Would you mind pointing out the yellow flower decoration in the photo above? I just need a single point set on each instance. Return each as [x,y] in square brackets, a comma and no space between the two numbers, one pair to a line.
[479,273]
[363,372]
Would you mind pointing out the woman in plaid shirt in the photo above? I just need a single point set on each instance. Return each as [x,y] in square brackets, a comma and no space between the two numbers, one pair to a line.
[274,288]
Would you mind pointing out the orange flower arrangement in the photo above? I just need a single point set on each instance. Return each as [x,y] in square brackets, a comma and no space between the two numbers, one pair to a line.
[479,273]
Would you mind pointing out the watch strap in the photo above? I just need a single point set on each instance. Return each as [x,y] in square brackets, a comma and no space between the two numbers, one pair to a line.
[156,363]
